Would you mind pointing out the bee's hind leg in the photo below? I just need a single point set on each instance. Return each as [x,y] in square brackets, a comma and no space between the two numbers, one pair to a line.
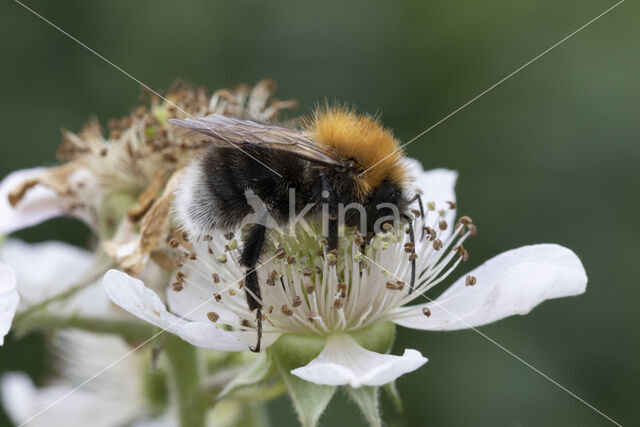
[412,256]
[253,246]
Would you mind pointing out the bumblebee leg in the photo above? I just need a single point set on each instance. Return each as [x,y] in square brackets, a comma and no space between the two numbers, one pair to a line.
[419,199]
[329,197]
[412,256]
[251,252]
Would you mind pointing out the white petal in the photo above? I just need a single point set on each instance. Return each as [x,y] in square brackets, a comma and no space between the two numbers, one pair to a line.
[436,185]
[344,362]
[132,295]
[511,283]
[39,203]
[8,299]
[22,400]
[45,269]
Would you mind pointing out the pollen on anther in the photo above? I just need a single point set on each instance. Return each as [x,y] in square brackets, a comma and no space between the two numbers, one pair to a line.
[395,286]
[470,280]
[464,254]
[286,310]
[310,288]
[216,278]
[280,254]
[177,286]
[442,225]
[437,244]
[297,301]
[426,311]
[232,292]
[217,297]
[452,205]
[213,316]
[307,271]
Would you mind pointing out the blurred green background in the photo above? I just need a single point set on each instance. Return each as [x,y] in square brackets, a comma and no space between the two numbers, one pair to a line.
[550,155]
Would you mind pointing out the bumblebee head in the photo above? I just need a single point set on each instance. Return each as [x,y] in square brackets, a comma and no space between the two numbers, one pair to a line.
[373,151]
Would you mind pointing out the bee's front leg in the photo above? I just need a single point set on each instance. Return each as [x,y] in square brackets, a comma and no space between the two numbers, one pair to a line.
[412,257]
[329,197]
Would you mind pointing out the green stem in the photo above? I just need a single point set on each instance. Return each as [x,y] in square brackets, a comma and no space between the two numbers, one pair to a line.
[125,328]
[186,374]
[97,270]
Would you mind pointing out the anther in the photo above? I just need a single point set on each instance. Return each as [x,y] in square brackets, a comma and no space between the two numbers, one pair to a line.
[291,260]
[310,288]
[464,254]
[174,243]
[442,225]
[413,257]
[416,212]
[452,205]
[217,297]
[395,286]
[307,271]
[185,236]
[470,280]
[216,278]
[286,310]
[426,311]
[270,309]
[280,253]
[297,301]
[232,292]
[271,279]
[228,235]
[431,206]
[431,233]
[193,256]
[177,286]
[213,316]
[222,258]
[338,303]
[437,244]
[464,220]
[387,227]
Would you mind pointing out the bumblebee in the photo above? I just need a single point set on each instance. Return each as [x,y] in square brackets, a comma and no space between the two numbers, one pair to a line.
[338,158]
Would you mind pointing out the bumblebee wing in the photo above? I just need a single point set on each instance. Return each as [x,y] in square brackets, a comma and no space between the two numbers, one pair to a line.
[247,133]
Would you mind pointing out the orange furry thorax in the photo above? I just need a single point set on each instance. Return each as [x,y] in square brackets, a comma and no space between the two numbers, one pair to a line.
[363,140]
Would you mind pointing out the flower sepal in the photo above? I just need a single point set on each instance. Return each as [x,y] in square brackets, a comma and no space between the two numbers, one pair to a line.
[294,351]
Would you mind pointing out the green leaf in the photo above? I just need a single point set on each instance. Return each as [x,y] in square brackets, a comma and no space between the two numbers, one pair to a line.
[257,372]
[310,400]
[367,400]
[392,392]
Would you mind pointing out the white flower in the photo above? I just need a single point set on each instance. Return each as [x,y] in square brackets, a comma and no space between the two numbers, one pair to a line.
[9,299]
[303,293]
[47,269]
[109,400]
